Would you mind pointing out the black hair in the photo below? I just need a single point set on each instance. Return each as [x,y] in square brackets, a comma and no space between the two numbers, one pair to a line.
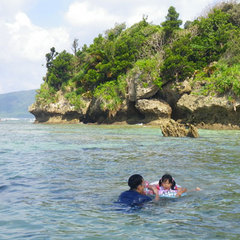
[168,177]
[134,181]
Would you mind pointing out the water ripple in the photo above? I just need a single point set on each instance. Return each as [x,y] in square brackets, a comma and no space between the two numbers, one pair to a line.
[61,182]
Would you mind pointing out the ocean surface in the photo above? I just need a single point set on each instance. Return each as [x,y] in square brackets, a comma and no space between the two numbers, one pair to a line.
[61,182]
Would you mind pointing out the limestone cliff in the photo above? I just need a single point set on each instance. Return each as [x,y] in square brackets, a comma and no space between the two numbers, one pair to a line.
[147,104]
[60,112]
[209,110]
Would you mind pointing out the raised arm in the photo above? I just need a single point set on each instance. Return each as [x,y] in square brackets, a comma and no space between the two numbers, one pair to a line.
[181,191]
[155,191]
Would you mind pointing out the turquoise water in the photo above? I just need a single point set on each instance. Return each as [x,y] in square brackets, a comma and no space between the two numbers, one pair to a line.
[60,182]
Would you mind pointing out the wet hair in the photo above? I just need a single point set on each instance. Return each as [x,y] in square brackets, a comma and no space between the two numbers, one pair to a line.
[168,177]
[134,181]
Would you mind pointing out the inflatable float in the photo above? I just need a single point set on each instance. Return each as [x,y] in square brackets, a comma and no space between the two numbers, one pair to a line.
[163,193]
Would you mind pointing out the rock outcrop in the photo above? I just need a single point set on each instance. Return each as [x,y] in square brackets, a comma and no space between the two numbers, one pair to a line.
[139,87]
[173,129]
[172,92]
[208,110]
[145,103]
[97,113]
[60,112]
[154,108]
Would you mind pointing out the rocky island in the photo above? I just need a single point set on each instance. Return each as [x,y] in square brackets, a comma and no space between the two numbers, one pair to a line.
[149,74]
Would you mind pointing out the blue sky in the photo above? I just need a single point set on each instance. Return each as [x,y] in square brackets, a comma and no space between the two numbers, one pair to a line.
[29,28]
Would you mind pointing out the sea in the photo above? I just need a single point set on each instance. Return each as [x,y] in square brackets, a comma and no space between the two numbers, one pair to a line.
[62,182]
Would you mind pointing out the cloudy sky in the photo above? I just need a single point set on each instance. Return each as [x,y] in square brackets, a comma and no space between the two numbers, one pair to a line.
[29,28]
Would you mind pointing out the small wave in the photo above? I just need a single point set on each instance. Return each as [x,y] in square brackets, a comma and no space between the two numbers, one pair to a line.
[91,149]
[15,177]
[17,119]
[10,119]
[3,187]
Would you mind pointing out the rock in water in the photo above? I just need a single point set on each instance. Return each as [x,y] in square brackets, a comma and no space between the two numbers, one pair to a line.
[192,131]
[174,129]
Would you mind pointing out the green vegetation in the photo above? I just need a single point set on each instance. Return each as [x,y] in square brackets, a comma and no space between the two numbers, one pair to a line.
[162,53]
[111,94]
[172,22]
[223,79]
[46,94]
[150,70]
[75,99]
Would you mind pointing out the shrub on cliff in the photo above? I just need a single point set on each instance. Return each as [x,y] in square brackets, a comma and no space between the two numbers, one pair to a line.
[96,69]
[191,52]
[111,94]
[111,56]
[222,79]
[150,70]
[46,95]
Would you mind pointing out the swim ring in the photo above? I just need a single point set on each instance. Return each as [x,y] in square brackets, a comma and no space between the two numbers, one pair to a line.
[164,193]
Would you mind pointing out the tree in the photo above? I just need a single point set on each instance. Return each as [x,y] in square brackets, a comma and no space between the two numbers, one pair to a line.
[75,46]
[60,71]
[213,34]
[179,63]
[50,57]
[113,33]
[172,22]
[187,24]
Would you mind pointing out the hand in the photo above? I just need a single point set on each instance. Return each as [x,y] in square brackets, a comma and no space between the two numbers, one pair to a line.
[179,194]
[155,190]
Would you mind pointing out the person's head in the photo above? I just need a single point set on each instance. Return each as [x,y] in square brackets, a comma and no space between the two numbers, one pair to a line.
[136,182]
[167,182]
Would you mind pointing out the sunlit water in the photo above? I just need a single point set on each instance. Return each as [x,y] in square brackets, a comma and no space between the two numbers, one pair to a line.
[61,181]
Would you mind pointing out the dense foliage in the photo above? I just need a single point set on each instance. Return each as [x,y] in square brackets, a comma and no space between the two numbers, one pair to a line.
[172,22]
[162,53]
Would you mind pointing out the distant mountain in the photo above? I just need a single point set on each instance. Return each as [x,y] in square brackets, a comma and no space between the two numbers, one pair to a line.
[15,104]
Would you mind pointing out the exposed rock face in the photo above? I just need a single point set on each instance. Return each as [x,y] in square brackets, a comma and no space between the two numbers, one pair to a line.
[208,110]
[154,108]
[173,101]
[94,112]
[171,92]
[140,88]
[173,129]
[59,112]
[193,102]
[97,113]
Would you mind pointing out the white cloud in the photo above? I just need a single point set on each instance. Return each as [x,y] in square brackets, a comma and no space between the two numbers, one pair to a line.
[190,10]
[21,75]
[87,19]
[8,8]
[94,16]
[154,14]
[24,44]
[31,42]
[23,48]
[85,13]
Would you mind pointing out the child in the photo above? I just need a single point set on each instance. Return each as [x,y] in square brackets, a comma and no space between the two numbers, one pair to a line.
[167,186]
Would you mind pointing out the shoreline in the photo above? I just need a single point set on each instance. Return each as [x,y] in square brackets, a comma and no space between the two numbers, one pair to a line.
[156,123]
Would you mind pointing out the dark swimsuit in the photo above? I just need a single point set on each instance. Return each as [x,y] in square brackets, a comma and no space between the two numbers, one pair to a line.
[133,198]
